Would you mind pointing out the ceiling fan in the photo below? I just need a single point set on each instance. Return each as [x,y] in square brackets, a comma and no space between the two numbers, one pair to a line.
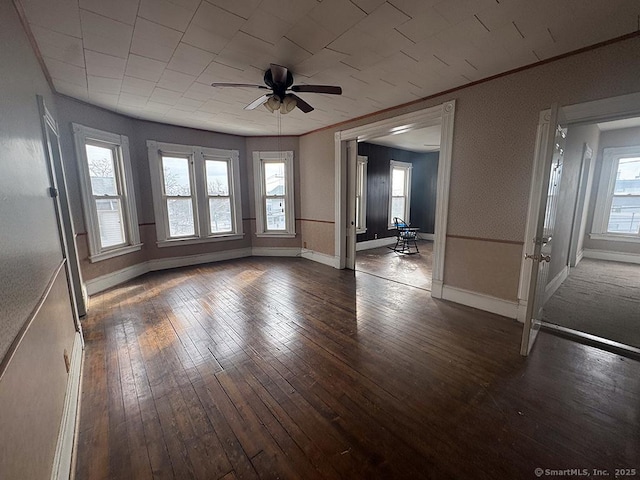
[279,80]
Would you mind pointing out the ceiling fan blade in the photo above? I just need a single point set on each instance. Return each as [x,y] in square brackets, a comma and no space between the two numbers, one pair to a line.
[330,89]
[279,74]
[247,85]
[258,101]
[301,104]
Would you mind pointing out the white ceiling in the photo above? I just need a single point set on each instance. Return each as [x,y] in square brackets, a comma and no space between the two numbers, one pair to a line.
[419,140]
[156,59]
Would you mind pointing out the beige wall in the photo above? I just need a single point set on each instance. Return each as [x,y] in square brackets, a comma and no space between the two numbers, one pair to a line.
[33,382]
[610,138]
[494,136]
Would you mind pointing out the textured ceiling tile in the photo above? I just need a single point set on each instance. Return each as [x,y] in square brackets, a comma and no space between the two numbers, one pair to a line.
[132,100]
[104,35]
[154,41]
[121,10]
[190,60]
[188,104]
[144,68]
[426,25]
[66,72]
[310,35]
[288,10]
[71,89]
[56,45]
[103,85]
[414,8]
[337,16]
[244,8]
[455,11]
[204,39]
[288,53]
[199,92]
[318,62]
[61,16]
[385,17]
[262,24]
[217,20]
[253,50]
[101,65]
[162,95]
[177,81]
[106,100]
[368,5]
[167,13]
[137,86]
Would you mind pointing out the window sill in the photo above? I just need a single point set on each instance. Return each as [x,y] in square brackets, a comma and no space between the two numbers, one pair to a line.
[177,242]
[116,252]
[610,237]
[276,235]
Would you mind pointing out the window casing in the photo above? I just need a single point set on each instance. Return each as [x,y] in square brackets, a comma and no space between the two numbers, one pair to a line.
[361,194]
[617,210]
[273,180]
[196,193]
[399,191]
[108,198]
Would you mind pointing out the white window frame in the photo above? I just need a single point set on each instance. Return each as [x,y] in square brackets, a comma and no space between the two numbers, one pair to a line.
[407,167]
[124,178]
[199,193]
[361,193]
[259,160]
[604,198]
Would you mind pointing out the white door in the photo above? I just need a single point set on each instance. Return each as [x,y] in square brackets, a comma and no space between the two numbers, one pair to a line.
[352,164]
[553,141]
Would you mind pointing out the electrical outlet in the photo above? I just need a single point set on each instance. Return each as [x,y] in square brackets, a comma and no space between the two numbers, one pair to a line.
[304,244]
[375,236]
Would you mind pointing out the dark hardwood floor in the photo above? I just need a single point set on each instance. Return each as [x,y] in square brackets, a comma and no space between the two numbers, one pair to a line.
[414,270]
[284,368]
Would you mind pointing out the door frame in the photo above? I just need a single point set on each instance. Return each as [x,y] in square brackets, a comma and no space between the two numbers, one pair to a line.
[581,113]
[443,115]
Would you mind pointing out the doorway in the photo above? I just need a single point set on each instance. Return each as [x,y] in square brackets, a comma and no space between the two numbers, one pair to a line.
[592,292]
[346,144]
[396,177]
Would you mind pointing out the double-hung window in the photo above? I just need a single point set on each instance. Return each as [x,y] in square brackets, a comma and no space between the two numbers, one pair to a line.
[361,194]
[106,184]
[196,192]
[273,173]
[617,211]
[399,191]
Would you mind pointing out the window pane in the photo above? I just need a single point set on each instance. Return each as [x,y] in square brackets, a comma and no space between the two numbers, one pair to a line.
[358,213]
[276,216]
[101,170]
[176,176]
[180,213]
[628,177]
[220,214]
[217,177]
[625,215]
[397,185]
[397,207]
[274,178]
[110,222]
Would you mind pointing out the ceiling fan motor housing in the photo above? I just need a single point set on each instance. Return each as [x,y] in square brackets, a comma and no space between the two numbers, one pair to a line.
[279,88]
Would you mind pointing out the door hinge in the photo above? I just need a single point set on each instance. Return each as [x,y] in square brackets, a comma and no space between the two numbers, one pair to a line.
[53,192]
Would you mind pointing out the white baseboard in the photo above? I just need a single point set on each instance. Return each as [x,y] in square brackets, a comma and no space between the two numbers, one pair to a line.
[612,256]
[62,459]
[323,258]
[480,301]
[579,257]
[554,284]
[275,251]
[112,279]
[378,242]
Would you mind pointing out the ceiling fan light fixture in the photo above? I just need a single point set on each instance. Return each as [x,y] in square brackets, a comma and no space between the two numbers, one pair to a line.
[288,104]
[273,103]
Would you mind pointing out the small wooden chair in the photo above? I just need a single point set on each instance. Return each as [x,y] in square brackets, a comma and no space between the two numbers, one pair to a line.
[406,237]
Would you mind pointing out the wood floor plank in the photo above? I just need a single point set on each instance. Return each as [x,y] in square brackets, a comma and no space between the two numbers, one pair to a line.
[285,368]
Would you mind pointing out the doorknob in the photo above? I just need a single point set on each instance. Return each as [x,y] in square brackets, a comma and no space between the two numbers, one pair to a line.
[539,258]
